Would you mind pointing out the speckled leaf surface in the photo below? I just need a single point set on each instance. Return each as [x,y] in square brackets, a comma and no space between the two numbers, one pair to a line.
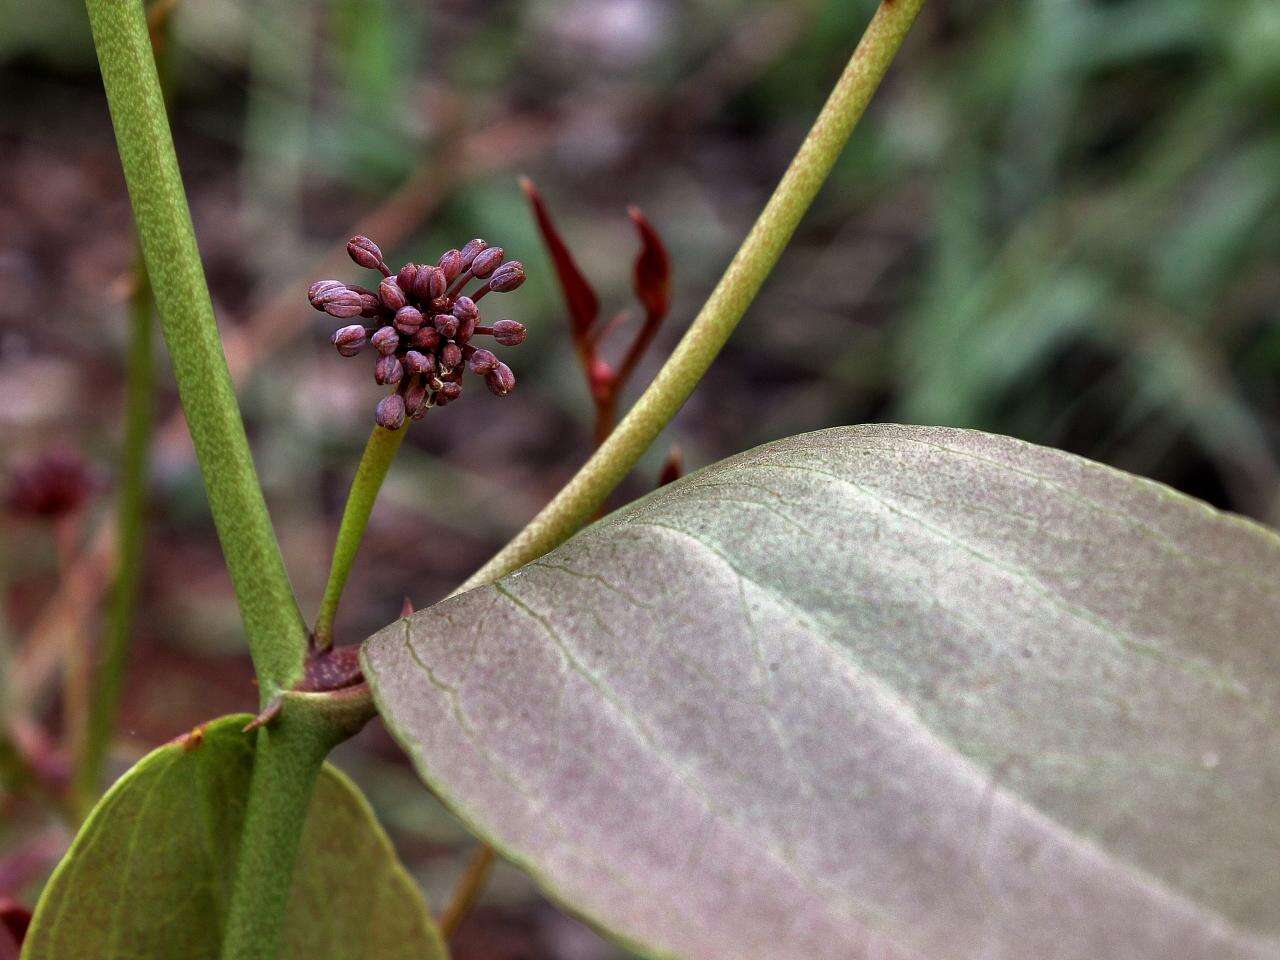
[876,692]
[149,874]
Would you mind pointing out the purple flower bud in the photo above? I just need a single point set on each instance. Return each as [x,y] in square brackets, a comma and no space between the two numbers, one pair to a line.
[415,400]
[465,309]
[509,333]
[419,363]
[343,304]
[349,340]
[486,261]
[451,265]
[507,277]
[391,295]
[426,339]
[390,415]
[448,392]
[408,319]
[370,305]
[500,380]
[482,361]
[446,325]
[451,355]
[430,284]
[469,253]
[386,341]
[365,252]
[408,273]
[388,369]
[466,329]
[320,288]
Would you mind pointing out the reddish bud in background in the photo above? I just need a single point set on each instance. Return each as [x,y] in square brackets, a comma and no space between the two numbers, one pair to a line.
[53,485]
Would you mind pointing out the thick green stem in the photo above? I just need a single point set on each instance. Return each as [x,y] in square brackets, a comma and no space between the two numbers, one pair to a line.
[134,459]
[583,495]
[289,754]
[276,632]
[374,464]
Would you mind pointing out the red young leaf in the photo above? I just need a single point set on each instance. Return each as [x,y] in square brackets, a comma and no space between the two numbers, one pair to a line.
[584,305]
[14,920]
[652,270]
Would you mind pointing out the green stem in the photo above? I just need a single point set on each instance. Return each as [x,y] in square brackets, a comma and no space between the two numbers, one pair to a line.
[374,464]
[290,751]
[274,626]
[134,460]
[584,494]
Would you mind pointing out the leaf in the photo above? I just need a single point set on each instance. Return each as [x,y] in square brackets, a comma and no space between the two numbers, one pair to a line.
[878,692]
[651,276]
[149,875]
[584,305]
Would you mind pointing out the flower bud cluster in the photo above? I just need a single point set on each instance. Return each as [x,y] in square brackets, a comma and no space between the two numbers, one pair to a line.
[419,325]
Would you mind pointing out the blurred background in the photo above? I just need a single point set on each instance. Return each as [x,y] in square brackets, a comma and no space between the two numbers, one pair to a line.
[1060,220]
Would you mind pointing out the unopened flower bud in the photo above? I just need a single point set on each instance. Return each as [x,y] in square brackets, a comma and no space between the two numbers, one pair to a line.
[486,261]
[507,277]
[391,295]
[408,273]
[500,380]
[466,329]
[429,284]
[320,288]
[465,309]
[417,362]
[509,333]
[388,369]
[448,392]
[370,305]
[349,340]
[386,341]
[390,413]
[408,319]
[451,355]
[342,304]
[446,325]
[426,339]
[415,400]
[472,250]
[482,361]
[451,264]
[365,252]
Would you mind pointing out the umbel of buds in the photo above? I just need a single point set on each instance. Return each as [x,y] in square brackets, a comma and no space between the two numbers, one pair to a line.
[421,324]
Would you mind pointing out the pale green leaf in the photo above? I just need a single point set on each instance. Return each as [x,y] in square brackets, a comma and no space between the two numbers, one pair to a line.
[876,692]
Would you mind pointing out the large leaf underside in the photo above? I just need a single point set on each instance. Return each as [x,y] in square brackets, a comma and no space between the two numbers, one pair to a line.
[876,692]
[149,876]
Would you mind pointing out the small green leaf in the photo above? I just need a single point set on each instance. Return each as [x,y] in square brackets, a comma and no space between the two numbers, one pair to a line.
[149,875]
[875,692]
